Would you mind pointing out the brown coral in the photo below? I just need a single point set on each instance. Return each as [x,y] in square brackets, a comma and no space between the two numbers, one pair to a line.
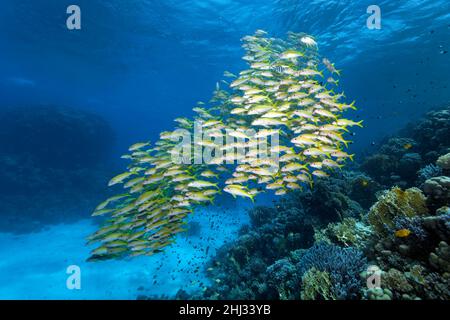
[395,203]
[438,191]
[396,281]
[444,162]
[316,285]
[348,232]
[440,259]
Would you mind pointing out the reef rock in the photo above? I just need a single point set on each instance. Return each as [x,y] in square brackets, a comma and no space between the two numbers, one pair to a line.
[394,162]
[444,162]
[52,164]
[440,258]
[432,134]
[438,191]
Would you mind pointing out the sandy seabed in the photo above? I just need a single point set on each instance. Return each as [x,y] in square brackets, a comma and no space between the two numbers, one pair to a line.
[33,266]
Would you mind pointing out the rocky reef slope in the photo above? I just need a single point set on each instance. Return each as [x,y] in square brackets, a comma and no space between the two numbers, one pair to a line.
[52,164]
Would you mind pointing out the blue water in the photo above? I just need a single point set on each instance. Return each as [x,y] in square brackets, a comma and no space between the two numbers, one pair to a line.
[139,64]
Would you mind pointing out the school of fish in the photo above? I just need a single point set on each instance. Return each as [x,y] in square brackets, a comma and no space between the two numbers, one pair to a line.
[288,90]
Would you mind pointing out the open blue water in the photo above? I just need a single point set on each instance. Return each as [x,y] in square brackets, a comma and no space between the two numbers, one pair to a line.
[140,64]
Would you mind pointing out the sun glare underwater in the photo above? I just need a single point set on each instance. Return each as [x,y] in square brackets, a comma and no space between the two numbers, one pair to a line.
[225,149]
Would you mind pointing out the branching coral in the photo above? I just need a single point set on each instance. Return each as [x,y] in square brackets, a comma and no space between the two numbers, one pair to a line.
[283,276]
[414,225]
[428,172]
[343,265]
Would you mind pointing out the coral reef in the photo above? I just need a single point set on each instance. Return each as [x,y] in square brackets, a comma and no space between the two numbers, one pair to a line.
[349,232]
[395,203]
[264,262]
[428,172]
[42,179]
[432,134]
[283,276]
[342,264]
[395,163]
[317,285]
[444,163]
[261,264]
[316,245]
[415,262]
[331,200]
[438,191]
[418,145]
[440,258]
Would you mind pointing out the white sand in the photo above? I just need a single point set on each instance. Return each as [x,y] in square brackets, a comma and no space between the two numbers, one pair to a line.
[33,266]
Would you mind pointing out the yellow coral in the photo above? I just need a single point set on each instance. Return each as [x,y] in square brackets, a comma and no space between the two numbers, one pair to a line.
[316,285]
[320,235]
[444,162]
[395,203]
[348,232]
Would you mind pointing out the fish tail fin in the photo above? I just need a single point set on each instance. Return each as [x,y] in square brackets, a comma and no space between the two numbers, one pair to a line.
[351,157]
[345,142]
[338,72]
[360,123]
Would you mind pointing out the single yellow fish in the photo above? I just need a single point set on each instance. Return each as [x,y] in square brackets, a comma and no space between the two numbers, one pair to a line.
[408,146]
[402,233]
